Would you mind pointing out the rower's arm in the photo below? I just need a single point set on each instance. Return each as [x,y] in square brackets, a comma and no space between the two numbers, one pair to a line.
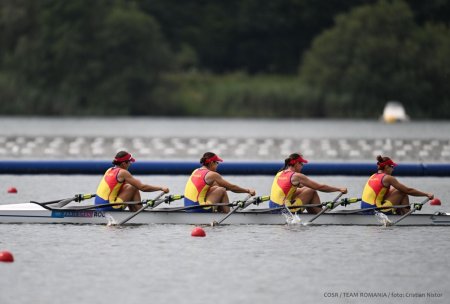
[405,189]
[305,181]
[219,180]
[139,185]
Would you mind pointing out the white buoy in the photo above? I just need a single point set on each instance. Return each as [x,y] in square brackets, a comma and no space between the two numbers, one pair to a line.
[394,112]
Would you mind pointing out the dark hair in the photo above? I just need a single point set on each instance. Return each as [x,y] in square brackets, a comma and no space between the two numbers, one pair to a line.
[381,159]
[119,155]
[288,160]
[206,156]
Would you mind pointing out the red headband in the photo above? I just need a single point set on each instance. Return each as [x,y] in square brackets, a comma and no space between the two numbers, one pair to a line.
[299,159]
[212,159]
[126,157]
[389,162]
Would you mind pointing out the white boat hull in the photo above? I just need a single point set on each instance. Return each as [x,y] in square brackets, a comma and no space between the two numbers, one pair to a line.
[30,213]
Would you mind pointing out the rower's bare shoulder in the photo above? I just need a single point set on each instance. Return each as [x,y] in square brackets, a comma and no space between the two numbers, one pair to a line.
[124,174]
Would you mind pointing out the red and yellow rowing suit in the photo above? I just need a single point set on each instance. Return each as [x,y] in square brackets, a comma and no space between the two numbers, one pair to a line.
[283,190]
[196,190]
[108,190]
[374,193]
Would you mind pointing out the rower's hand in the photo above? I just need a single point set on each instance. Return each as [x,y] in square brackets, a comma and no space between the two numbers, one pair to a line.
[252,192]
[430,196]
[165,189]
[343,190]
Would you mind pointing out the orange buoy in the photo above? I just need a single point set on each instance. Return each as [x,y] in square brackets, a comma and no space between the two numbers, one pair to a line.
[198,231]
[6,256]
[435,202]
[12,190]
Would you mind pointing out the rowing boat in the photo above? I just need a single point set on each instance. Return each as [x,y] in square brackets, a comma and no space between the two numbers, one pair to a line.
[32,213]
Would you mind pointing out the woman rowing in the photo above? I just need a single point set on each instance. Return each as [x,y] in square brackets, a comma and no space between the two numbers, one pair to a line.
[205,186]
[118,185]
[292,188]
[378,192]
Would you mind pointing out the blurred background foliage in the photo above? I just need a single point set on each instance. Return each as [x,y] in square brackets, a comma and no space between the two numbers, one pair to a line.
[246,58]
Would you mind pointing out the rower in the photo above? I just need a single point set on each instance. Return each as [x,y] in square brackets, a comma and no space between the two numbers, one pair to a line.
[292,188]
[378,192]
[118,185]
[205,186]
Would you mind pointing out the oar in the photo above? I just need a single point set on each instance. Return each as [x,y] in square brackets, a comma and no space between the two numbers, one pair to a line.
[153,203]
[198,207]
[373,208]
[214,223]
[63,202]
[80,208]
[150,203]
[417,206]
[263,199]
[327,206]
[343,202]
[169,199]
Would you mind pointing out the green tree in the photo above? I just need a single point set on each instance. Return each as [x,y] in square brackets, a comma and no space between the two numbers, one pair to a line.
[254,36]
[432,72]
[374,54]
[84,57]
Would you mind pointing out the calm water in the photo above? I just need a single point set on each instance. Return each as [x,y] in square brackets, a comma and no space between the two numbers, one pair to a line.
[75,264]
[232,264]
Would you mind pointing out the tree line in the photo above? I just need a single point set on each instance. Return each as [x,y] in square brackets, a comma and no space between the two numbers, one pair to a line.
[250,58]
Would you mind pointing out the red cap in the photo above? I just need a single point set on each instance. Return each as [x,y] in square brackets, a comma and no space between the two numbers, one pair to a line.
[299,159]
[126,157]
[389,162]
[213,159]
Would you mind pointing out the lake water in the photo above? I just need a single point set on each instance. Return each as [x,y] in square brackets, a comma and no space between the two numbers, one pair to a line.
[75,264]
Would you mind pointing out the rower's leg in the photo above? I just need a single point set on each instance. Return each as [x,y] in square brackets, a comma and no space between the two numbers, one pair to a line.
[218,195]
[399,198]
[309,196]
[130,193]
